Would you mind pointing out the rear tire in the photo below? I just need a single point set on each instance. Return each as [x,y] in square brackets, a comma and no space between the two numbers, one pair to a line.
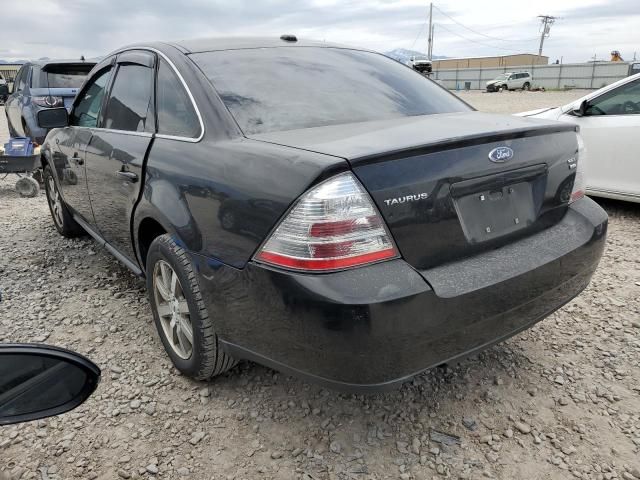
[62,218]
[526,86]
[179,312]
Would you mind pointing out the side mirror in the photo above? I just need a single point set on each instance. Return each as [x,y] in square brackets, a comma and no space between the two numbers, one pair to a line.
[581,111]
[39,381]
[53,118]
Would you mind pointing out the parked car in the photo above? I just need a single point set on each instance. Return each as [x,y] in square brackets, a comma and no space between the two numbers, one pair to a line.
[609,121]
[39,85]
[510,81]
[399,228]
[420,64]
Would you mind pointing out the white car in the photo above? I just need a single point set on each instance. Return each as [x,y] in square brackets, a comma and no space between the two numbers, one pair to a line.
[510,81]
[609,121]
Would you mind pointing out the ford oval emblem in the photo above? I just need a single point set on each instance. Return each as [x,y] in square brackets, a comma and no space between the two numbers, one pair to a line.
[500,154]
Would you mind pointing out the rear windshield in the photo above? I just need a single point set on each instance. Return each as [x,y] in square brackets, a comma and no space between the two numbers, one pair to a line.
[276,89]
[60,76]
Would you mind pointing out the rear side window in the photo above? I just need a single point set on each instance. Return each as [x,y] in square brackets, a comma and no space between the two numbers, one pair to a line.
[60,75]
[86,111]
[176,115]
[286,88]
[130,103]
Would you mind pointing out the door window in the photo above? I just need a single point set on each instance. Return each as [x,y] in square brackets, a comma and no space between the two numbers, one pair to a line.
[86,111]
[624,100]
[176,114]
[130,103]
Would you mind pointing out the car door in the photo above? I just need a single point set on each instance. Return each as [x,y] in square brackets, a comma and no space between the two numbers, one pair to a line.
[70,143]
[610,128]
[117,149]
[13,104]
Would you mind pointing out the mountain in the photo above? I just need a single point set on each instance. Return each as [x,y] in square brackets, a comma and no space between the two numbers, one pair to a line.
[4,62]
[404,54]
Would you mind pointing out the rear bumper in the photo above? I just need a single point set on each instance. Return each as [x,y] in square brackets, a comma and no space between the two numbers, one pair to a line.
[371,328]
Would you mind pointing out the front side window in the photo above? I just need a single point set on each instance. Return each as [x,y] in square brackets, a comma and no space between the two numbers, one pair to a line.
[286,88]
[130,103]
[624,100]
[86,111]
[176,115]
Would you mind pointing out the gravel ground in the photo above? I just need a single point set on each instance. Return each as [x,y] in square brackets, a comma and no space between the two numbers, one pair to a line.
[561,400]
[519,101]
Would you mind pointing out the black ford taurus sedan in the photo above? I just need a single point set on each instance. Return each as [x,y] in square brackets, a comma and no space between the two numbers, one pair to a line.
[319,209]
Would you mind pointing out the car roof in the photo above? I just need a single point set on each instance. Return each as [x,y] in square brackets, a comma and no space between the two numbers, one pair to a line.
[197,45]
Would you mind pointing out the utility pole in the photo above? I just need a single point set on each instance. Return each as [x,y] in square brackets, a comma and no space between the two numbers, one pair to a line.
[547,21]
[430,46]
[433,31]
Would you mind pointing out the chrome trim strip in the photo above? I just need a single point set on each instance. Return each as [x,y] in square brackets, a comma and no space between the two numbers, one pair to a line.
[595,191]
[123,132]
[184,84]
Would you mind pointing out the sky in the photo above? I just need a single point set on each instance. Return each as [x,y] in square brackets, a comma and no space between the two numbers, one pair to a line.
[71,28]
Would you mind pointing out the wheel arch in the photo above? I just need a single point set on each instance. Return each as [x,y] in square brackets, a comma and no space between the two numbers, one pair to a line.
[147,231]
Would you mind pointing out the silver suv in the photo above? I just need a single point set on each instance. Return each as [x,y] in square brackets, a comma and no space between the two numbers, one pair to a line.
[510,81]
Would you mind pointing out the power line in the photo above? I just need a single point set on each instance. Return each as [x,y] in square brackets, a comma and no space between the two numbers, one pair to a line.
[478,42]
[480,33]
[418,35]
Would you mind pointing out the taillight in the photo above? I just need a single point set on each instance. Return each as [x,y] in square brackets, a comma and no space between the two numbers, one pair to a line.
[333,226]
[48,101]
[578,183]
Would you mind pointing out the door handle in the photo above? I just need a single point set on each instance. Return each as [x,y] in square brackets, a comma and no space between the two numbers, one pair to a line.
[132,177]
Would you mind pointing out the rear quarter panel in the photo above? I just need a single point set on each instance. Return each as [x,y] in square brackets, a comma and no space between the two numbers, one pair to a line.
[190,187]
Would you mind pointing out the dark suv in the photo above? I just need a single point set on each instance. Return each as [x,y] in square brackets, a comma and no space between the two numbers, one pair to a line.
[323,210]
[39,85]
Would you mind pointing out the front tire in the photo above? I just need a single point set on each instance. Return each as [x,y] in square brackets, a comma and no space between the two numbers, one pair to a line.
[62,218]
[181,317]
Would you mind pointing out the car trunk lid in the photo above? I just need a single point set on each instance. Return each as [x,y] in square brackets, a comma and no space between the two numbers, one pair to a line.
[441,195]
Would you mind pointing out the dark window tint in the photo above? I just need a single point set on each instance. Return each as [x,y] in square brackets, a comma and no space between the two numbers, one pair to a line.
[273,89]
[129,104]
[176,115]
[60,75]
[86,112]
[624,100]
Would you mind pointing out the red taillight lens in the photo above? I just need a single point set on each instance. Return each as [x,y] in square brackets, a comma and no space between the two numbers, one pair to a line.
[333,226]
[48,101]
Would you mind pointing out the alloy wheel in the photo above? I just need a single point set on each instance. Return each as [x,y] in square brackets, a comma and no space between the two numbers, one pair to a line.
[55,202]
[173,309]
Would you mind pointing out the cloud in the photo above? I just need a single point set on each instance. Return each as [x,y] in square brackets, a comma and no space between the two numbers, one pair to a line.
[604,11]
[70,28]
